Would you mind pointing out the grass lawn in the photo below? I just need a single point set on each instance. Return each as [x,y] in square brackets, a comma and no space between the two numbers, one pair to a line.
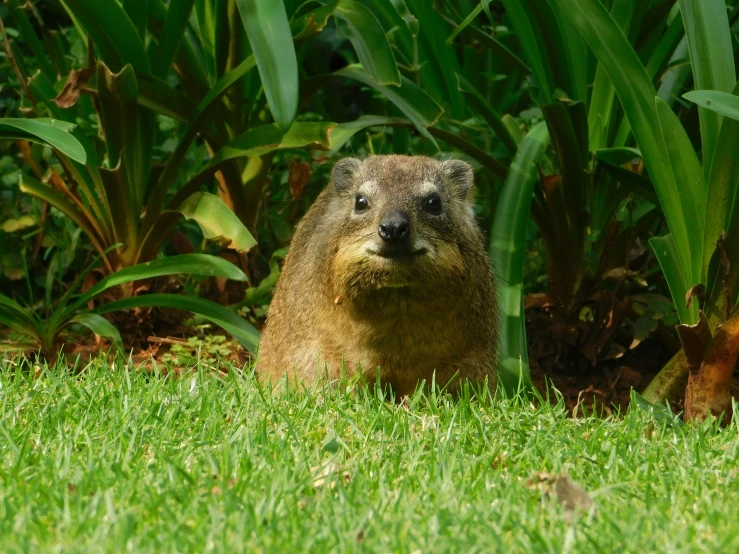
[114,461]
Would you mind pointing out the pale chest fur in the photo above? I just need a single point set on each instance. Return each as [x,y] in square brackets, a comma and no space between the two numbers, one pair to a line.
[396,331]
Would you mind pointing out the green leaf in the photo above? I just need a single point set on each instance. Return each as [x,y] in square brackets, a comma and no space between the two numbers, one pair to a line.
[501,50]
[237,326]
[436,63]
[204,111]
[128,138]
[358,24]
[35,188]
[271,41]
[217,221]
[17,346]
[665,48]
[564,40]
[570,141]
[666,252]
[533,48]
[53,132]
[112,31]
[31,39]
[259,141]
[611,160]
[183,264]
[175,24]
[689,173]
[13,315]
[340,134]
[156,94]
[189,56]
[723,103]
[312,22]
[410,20]
[465,146]
[465,22]
[100,326]
[123,211]
[478,102]
[723,184]
[409,98]
[603,96]
[137,12]
[507,252]
[712,60]
[636,92]
[660,412]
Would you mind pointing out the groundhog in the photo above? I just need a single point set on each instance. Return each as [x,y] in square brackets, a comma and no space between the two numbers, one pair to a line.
[386,272]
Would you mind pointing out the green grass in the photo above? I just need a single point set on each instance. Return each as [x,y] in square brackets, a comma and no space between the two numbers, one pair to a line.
[113,461]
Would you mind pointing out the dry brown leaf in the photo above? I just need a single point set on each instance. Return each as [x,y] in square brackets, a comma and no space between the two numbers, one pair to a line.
[567,492]
[73,88]
[298,178]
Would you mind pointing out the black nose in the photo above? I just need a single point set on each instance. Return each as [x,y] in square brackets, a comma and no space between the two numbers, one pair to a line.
[395,227]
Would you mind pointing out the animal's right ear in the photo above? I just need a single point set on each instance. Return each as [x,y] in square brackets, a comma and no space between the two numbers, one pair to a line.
[344,172]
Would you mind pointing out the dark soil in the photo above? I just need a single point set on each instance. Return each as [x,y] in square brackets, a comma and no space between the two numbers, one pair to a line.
[594,363]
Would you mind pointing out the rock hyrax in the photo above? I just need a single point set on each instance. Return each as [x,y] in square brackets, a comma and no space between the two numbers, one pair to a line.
[387,270]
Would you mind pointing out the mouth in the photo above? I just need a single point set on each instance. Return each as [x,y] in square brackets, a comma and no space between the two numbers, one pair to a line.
[396,255]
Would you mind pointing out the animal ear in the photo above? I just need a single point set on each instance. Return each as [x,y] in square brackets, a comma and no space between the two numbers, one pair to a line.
[459,175]
[344,172]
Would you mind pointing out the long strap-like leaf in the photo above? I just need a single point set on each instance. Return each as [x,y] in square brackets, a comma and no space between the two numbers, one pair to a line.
[507,252]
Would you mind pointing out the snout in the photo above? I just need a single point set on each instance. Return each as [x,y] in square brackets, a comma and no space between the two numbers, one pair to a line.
[396,241]
[395,229]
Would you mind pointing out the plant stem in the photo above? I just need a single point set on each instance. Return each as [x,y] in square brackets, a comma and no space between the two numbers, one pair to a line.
[669,381]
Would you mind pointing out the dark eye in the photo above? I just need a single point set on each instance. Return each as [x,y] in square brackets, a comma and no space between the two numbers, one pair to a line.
[360,203]
[433,204]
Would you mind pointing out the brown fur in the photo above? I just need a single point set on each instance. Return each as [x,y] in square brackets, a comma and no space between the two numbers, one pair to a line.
[337,304]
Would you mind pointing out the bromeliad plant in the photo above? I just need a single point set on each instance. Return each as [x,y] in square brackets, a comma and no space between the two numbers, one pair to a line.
[698,195]
[222,67]
[45,333]
[529,53]
[114,196]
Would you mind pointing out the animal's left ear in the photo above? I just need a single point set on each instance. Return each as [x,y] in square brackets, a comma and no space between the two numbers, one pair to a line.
[458,175]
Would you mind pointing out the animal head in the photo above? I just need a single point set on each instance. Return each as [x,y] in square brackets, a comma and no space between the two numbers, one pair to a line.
[402,220]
